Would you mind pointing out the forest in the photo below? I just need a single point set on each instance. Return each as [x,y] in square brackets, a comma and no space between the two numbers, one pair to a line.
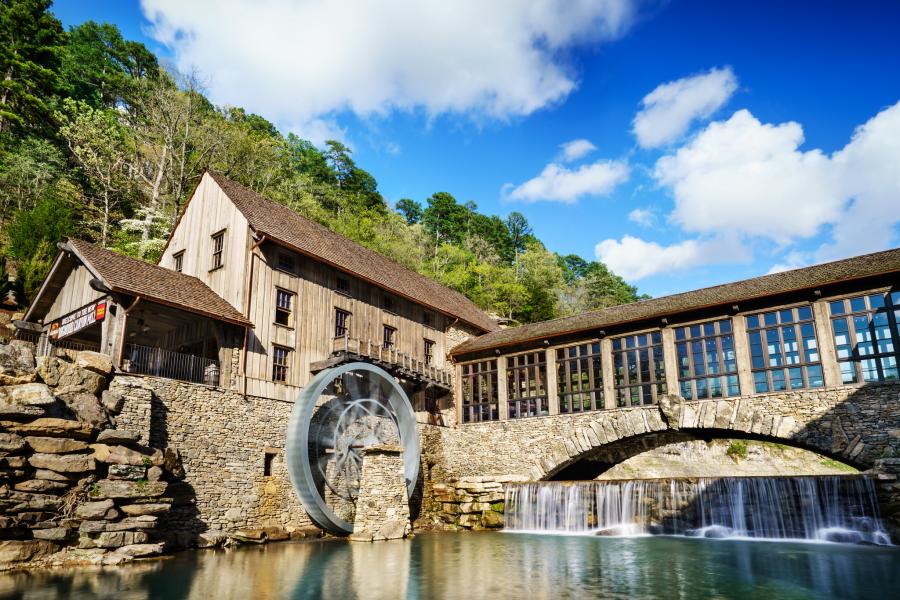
[100,141]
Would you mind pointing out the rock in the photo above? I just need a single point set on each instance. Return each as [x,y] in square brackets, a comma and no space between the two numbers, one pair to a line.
[306,532]
[172,462]
[41,485]
[119,488]
[52,445]
[103,509]
[24,400]
[276,534]
[211,539]
[63,463]
[30,501]
[112,401]
[250,536]
[127,524]
[491,519]
[10,442]
[117,539]
[671,407]
[94,361]
[56,534]
[130,472]
[16,363]
[125,456]
[12,551]
[234,514]
[392,530]
[135,510]
[154,474]
[114,558]
[361,537]
[140,550]
[85,406]
[61,374]
[50,475]
[118,436]
[52,427]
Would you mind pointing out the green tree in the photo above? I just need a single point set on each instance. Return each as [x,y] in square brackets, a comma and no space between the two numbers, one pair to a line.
[411,210]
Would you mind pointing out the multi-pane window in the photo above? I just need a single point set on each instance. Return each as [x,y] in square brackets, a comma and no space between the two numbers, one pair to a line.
[179,261]
[218,244]
[342,284]
[480,398]
[429,351]
[280,361]
[579,378]
[707,366]
[526,384]
[389,334]
[866,336]
[784,350]
[638,369]
[286,262]
[341,323]
[284,302]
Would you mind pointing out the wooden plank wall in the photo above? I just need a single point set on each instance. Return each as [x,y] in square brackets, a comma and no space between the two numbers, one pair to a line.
[75,293]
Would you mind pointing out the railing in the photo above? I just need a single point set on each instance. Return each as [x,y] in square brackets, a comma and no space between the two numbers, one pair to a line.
[57,348]
[407,364]
[145,360]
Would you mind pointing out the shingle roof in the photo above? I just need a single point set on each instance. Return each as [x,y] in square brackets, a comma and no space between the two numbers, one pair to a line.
[155,284]
[283,225]
[721,295]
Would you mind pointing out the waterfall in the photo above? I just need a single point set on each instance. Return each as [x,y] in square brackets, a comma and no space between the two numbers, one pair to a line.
[819,508]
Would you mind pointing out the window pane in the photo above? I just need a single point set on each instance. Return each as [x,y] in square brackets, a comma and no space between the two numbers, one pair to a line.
[837,307]
[795,375]
[857,304]
[848,372]
[814,375]
[778,384]
[804,313]
[760,382]
[753,322]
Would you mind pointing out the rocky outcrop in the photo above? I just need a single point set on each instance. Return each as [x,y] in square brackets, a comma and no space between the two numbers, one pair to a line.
[474,503]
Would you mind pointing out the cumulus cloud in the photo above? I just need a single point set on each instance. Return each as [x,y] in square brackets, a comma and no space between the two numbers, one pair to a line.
[561,184]
[634,258]
[646,217]
[295,61]
[669,110]
[572,151]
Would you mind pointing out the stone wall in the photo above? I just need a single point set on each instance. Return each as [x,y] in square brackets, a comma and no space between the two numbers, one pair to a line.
[887,484]
[223,438]
[474,503]
[382,508]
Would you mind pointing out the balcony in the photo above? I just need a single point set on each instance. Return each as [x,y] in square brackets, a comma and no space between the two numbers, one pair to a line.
[401,365]
[156,362]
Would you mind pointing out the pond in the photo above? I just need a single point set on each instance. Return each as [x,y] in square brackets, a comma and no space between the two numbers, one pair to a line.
[487,565]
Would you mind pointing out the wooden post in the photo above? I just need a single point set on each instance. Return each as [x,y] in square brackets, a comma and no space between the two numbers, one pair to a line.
[552,387]
[502,394]
[742,354]
[831,370]
[606,365]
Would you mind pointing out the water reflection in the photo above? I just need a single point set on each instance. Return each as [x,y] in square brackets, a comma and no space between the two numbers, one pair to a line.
[487,565]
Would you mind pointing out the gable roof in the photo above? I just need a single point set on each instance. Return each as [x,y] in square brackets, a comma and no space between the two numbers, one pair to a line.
[125,275]
[807,278]
[282,225]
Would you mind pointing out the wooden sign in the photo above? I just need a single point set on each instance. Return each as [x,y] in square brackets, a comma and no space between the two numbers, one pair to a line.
[74,322]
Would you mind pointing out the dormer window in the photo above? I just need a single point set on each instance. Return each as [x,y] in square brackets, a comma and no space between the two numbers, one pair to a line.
[218,249]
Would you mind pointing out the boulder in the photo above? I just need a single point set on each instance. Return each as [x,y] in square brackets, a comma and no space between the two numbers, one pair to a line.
[276,534]
[127,524]
[121,455]
[24,400]
[51,427]
[95,511]
[16,363]
[63,463]
[85,406]
[491,519]
[120,488]
[55,445]
[154,474]
[141,550]
[117,539]
[41,485]
[136,510]
[94,361]
[211,539]
[112,401]
[250,536]
[394,529]
[13,551]
[10,442]
[32,502]
[130,472]
[300,533]
[56,534]
[61,374]
[118,436]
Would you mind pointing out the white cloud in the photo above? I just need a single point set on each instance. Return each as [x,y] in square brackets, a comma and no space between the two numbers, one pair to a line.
[295,61]
[646,217]
[793,260]
[561,184]
[670,109]
[572,151]
[634,258]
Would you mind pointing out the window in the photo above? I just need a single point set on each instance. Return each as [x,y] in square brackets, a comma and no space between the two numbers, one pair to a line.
[218,240]
[178,257]
[707,366]
[526,384]
[283,307]
[341,323]
[342,285]
[388,304]
[638,369]
[479,392]
[268,461]
[429,352]
[280,358]
[866,336]
[579,378]
[286,262]
[427,320]
[389,337]
[784,350]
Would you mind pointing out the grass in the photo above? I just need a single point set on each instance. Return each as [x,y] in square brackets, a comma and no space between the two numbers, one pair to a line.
[737,449]
[835,464]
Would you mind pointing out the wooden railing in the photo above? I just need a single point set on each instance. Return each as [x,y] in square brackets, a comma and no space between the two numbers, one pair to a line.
[407,365]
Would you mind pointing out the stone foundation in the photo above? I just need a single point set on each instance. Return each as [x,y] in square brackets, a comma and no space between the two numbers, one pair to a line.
[474,503]
[382,508]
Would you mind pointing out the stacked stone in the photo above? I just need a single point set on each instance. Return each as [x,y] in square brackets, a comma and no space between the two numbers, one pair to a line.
[474,503]
[382,508]
[886,473]
[66,477]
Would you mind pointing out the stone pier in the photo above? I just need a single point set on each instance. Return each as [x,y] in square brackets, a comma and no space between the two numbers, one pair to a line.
[382,508]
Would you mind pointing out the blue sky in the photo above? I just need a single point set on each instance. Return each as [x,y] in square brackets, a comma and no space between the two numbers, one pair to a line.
[747,163]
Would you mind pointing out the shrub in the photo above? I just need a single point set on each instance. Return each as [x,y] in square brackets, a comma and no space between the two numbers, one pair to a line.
[737,449]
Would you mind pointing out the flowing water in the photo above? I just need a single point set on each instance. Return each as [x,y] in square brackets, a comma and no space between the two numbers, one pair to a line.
[486,565]
[821,508]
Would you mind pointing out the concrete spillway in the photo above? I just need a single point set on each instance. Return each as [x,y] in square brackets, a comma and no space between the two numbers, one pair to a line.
[823,508]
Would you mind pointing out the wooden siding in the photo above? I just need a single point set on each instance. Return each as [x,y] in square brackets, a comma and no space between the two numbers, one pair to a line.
[210,211]
[75,293]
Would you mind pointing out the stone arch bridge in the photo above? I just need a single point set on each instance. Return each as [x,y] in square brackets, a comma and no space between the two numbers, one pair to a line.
[857,425]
